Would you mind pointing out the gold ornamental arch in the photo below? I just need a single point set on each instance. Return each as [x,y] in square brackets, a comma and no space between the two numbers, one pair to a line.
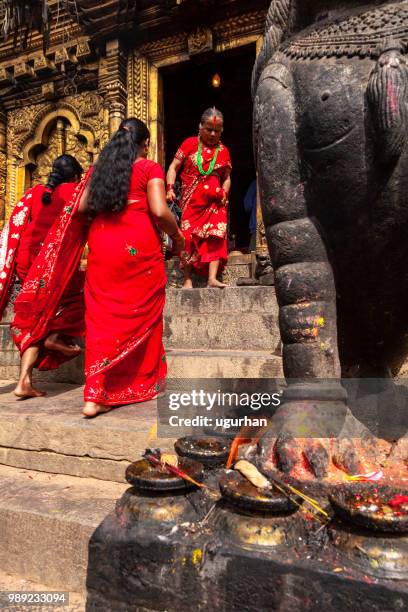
[77,126]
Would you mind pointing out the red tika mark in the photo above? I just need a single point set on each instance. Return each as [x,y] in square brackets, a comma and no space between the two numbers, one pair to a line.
[392,98]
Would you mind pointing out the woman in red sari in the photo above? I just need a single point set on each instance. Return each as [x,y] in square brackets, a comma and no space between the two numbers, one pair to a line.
[125,280]
[205,166]
[22,240]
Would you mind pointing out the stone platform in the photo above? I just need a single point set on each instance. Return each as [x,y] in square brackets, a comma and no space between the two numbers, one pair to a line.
[60,475]
[207,332]
[50,435]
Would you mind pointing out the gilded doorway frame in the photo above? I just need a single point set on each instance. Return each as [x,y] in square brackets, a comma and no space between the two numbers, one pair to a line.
[145,92]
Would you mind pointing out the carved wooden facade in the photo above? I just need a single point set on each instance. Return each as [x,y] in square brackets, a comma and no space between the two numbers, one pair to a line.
[70,98]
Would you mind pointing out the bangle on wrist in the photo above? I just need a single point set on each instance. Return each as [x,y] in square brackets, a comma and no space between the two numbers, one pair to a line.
[169,186]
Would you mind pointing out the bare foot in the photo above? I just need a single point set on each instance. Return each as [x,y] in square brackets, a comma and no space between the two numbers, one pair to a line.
[26,390]
[188,284]
[213,282]
[54,343]
[92,410]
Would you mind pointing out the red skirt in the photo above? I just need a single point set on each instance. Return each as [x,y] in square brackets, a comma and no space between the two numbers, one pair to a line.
[204,226]
[125,297]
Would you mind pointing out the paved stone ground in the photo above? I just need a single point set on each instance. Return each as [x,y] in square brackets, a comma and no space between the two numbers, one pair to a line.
[60,475]
[8,582]
[50,434]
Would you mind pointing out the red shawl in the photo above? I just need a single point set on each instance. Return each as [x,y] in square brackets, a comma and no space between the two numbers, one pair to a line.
[54,267]
[9,242]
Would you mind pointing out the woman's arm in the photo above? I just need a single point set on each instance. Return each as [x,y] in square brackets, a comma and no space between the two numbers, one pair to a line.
[156,198]
[171,178]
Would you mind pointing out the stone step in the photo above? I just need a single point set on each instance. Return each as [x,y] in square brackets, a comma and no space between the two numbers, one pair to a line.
[231,300]
[46,523]
[190,363]
[50,435]
[239,265]
[222,331]
[199,320]
[232,319]
[187,363]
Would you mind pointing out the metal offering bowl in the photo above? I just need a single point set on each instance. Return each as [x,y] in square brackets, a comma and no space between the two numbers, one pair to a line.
[146,477]
[236,489]
[211,451]
[366,505]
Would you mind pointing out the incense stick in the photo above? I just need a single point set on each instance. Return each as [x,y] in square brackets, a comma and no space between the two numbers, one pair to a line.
[172,470]
[309,500]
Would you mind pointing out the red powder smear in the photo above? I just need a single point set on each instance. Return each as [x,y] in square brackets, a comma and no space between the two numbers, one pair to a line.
[392,98]
[215,120]
[398,500]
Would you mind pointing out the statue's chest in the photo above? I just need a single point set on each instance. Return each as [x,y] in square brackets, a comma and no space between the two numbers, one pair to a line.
[331,102]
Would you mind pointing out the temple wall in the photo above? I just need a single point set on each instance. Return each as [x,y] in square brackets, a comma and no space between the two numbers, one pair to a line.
[51,112]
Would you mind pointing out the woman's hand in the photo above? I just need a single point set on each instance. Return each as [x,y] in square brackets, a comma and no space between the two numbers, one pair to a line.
[178,241]
[171,195]
[222,196]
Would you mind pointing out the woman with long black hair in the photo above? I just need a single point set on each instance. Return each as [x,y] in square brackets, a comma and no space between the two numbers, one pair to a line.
[21,241]
[125,280]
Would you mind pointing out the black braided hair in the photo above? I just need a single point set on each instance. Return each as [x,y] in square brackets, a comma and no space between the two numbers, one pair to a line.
[109,186]
[65,169]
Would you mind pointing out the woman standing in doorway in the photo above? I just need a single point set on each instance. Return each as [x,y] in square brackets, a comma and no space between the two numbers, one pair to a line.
[21,242]
[205,167]
[125,280]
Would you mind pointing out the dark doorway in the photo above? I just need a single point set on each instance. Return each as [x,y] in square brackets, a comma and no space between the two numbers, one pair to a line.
[188,91]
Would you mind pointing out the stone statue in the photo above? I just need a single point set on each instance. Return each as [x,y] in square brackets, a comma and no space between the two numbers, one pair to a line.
[263,274]
[330,132]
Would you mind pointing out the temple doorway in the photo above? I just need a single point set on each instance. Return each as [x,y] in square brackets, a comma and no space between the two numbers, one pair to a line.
[188,89]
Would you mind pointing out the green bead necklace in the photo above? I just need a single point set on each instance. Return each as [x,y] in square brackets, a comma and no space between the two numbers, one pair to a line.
[200,160]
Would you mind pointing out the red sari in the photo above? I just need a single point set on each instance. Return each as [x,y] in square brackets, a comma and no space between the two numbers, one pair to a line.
[125,296]
[204,216]
[27,231]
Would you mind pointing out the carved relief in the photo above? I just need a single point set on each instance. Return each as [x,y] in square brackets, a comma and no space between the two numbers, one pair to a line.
[44,159]
[20,120]
[229,33]
[3,175]
[226,34]
[165,48]
[62,140]
[200,41]
[261,244]
[362,34]
[3,165]
[92,115]
[138,87]
[112,82]
[36,134]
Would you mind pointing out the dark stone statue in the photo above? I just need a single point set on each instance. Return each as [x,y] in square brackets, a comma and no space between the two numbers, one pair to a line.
[330,131]
[263,274]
